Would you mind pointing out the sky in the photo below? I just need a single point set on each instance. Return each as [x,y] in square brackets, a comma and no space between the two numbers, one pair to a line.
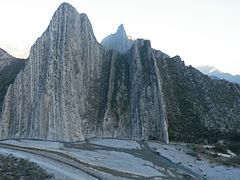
[202,32]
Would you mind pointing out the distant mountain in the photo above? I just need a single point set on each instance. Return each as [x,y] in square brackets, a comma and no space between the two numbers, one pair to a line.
[118,41]
[216,74]
[9,68]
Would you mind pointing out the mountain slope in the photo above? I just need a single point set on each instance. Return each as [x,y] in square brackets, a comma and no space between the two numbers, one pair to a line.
[118,41]
[9,68]
[199,108]
[215,73]
[72,88]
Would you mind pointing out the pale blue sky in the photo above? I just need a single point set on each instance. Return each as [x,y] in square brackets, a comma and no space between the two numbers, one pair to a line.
[202,32]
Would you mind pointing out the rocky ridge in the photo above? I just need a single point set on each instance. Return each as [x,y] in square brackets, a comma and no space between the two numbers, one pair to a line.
[9,68]
[72,88]
[198,108]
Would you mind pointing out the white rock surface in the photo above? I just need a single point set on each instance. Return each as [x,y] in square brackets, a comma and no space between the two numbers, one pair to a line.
[177,153]
[72,88]
[116,143]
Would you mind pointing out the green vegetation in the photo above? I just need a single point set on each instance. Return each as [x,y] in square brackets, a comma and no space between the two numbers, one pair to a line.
[120,97]
[7,77]
[222,152]
[199,109]
[14,168]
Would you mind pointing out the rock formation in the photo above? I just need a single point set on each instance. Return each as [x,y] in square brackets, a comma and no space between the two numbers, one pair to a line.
[72,88]
[199,108]
[118,41]
[9,68]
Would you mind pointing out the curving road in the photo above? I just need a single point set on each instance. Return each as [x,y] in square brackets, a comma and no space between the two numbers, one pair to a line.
[99,159]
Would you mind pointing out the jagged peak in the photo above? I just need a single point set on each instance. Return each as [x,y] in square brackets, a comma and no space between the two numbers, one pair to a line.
[65,19]
[66,9]
[66,6]
[118,41]
[121,29]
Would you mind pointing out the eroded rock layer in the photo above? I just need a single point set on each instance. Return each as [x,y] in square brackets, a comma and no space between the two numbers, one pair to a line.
[73,88]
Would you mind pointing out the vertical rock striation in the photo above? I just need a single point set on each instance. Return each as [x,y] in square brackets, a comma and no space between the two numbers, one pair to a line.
[192,106]
[73,88]
[136,107]
[58,93]
[147,104]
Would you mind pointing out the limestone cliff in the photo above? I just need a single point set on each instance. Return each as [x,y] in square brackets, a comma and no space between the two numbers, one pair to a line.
[118,41]
[198,108]
[9,68]
[72,88]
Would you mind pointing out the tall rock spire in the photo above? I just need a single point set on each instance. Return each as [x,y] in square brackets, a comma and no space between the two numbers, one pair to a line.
[51,96]
[118,41]
[72,87]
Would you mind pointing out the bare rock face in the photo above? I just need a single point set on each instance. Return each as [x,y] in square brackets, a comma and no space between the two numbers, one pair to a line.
[72,88]
[196,107]
[9,68]
[135,99]
[118,41]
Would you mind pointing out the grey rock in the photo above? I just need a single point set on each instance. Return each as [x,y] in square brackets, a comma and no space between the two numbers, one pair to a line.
[72,88]
[9,68]
[118,41]
[199,108]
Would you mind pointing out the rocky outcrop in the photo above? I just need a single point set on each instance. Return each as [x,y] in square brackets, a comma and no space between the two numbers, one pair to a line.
[72,88]
[9,68]
[199,109]
[118,41]
[135,95]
